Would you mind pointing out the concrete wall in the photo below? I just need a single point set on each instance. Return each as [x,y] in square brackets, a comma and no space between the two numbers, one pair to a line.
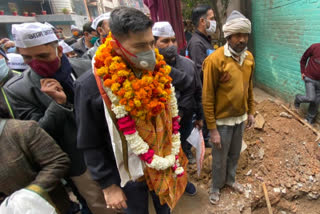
[282,31]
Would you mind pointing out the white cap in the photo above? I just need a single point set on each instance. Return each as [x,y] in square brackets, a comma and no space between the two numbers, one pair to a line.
[66,48]
[50,25]
[162,29]
[73,27]
[26,201]
[105,16]
[28,35]
[15,61]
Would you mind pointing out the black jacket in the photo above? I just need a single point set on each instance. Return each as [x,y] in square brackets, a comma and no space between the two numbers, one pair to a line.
[199,48]
[190,96]
[30,103]
[93,135]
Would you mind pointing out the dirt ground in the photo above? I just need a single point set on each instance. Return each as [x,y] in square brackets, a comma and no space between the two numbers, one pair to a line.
[282,155]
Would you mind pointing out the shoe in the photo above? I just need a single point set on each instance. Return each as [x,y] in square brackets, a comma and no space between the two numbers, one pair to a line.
[237,187]
[296,104]
[190,157]
[191,189]
[214,198]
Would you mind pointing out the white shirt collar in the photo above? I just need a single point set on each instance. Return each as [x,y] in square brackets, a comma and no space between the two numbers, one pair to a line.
[227,53]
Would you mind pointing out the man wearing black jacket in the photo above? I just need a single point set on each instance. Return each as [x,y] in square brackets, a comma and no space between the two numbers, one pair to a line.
[189,99]
[199,46]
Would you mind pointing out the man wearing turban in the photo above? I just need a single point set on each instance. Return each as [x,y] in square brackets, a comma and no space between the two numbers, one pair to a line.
[227,99]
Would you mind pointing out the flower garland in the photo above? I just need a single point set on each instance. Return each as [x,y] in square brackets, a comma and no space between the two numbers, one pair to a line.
[140,98]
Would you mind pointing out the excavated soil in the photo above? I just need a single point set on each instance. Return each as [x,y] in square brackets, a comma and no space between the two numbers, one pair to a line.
[283,155]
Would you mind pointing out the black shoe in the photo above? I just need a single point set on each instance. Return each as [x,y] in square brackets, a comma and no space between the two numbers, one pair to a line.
[191,189]
[190,157]
[296,103]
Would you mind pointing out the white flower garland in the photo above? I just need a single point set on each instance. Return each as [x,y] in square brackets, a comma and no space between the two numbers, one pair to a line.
[137,144]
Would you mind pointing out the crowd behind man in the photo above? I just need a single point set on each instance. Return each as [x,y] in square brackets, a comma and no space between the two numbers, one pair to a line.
[111,152]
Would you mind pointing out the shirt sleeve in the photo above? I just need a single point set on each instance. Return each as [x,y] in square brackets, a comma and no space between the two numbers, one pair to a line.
[250,94]
[304,59]
[210,83]
[198,55]
[46,154]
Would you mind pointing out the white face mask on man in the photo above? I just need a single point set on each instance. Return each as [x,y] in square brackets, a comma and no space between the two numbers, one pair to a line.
[212,28]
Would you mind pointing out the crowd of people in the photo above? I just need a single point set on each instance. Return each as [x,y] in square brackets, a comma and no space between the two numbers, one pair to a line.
[106,113]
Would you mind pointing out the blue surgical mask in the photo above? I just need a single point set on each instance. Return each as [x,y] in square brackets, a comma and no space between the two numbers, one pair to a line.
[12,50]
[4,69]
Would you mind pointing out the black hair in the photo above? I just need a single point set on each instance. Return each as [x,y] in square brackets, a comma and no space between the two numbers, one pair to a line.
[199,12]
[156,38]
[126,19]
[87,27]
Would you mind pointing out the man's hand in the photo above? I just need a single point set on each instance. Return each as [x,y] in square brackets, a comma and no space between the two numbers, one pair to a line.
[303,76]
[115,198]
[54,90]
[250,122]
[215,138]
[198,124]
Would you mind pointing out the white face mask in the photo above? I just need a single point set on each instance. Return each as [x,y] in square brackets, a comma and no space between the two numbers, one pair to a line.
[4,69]
[212,28]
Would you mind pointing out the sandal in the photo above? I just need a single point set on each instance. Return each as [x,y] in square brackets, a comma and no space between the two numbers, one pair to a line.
[214,198]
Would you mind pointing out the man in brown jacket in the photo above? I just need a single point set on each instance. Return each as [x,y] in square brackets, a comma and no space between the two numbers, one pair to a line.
[30,158]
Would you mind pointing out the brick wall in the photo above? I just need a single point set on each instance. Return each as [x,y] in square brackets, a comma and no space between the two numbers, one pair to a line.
[282,31]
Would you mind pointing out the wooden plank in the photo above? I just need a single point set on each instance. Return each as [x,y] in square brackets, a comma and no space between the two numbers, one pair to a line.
[267,198]
[296,116]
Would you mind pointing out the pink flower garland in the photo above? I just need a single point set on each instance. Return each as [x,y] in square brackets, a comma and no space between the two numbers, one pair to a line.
[175,125]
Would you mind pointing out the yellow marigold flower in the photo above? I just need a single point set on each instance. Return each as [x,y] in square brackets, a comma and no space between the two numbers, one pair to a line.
[137,102]
[128,94]
[123,73]
[127,85]
[115,87]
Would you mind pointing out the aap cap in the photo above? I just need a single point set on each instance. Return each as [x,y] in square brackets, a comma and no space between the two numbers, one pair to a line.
[50,25]
[16,62]
[162,29]
[105,16]
[66,48]
[26,201]
[28,35]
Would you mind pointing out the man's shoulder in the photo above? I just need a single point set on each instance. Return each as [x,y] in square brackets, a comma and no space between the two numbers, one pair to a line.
[18,82]
[186,60]
[249,55]
[87,82]
[217,53]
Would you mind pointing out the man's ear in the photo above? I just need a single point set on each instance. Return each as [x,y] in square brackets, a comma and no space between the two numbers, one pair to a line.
[60,51]
[115,47]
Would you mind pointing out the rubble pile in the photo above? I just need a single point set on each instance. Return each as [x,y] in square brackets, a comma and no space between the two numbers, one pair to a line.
[282,153]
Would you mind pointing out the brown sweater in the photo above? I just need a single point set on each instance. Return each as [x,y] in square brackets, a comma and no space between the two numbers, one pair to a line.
[226,99]
[28,155]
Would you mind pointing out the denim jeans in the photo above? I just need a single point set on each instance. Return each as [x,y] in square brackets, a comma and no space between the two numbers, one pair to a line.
[225,160]
[312,97]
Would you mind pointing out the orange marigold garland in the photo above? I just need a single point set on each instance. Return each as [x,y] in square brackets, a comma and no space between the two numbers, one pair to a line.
[142,98]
